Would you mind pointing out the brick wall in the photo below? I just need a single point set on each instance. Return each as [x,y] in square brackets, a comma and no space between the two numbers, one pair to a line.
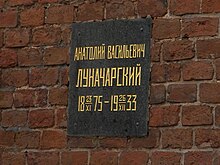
[184,91]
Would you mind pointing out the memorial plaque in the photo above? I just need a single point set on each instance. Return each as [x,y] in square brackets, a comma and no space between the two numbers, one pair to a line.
[109,78]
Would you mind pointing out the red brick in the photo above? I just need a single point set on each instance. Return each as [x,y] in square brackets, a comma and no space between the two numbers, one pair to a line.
[95,10]
[82,142]
[43,76]
[61,118]
[60,14]
[16,78]
[8,58]
[46,36]
[149,141]
[157,94]
[179,7]
[29,57]
[6,138]
[165,158]
[113,142]
[213,50]
[41,118]
[1,38]
[209,92]
[13,158]
[47,1]
[155,8]
[20,2]
[120,10]
[66,34]
[41,97]
[43,158]
[6,99]
[177,50]
[198,158]
[74,157]
[2,3]
[158,73]
[177,138]
[173,72]
[217,66]
[196,115]
[206,138]
[32,17]
[182,93]
[14,118]
[24,98]
[155,52]
[133,157]
[217,116]
[197,70]
[53,139]
[54,56]
[27,139]
[196,27]
[166,28]
[8,18]
[164,116]
[58,96]
[64,73]
[104,158]
[210,6]
[17,38]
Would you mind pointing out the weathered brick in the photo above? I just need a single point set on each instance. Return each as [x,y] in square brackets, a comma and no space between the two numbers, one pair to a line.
[54,56]
[64,73]
[17,37]
[43,76]
[20,2]
[24,98]
[95,10]
[74,157]
[196,115]
[173,72]
[58,96]
[206,138]
[43,158]
[82,142]
[1,38]
[60,14]
[41,118]
[2,3]
[8,58]
[177,50]
[164,116]
[217,66]
[41,97]
[14,118]
[29,57]
[133,157]
[166,28]
[17,158]
[66,34]
[182,93]
[209,92]
[210,6]
[179,7]
[155,8]
[104,158]
[46,36]
[58,136]
[155,52]
[157,94]
[198,157]
[8,18]
[120,10]
[6,138]
[6,99]
[165,158]
[47,1]
[213,50]
[27,139]
[15,78]
[113,142]
[197,70]
[201,26]
[177,138]
[32,17]
[150,141]
[158,73]
[61,117]
[217,116]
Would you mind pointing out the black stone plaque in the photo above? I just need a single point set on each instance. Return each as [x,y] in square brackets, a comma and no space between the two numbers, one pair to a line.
[109,78]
